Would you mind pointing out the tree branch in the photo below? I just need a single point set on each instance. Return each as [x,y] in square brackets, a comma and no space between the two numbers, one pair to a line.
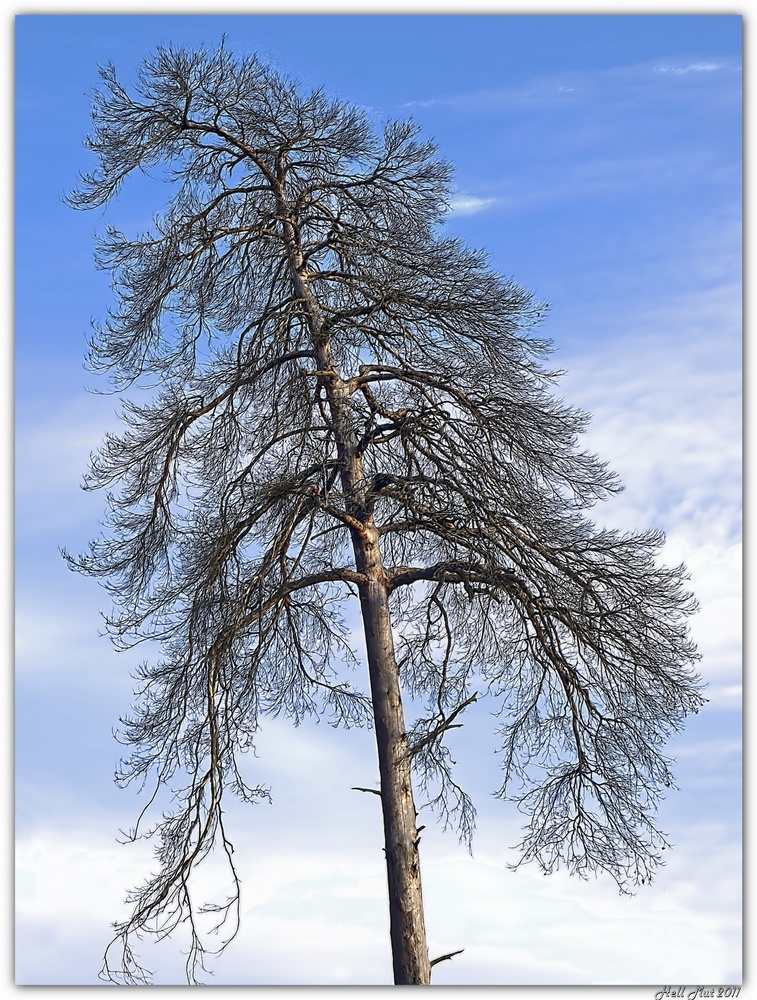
[444,958]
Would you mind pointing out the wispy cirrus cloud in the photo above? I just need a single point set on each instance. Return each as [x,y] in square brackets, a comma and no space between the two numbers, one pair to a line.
[615,133]
[575,87]
[538,91]
[698,67]
[608,178]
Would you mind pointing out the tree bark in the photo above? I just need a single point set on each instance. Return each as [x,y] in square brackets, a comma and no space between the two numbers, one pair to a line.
[406,918]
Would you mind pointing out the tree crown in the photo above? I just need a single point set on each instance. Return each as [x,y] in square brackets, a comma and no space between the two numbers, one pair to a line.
[301,260]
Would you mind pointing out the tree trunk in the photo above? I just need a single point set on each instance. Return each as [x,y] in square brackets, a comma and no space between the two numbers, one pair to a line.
[406,919]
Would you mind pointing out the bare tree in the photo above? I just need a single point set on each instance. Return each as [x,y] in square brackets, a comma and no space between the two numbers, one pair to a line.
[344,401]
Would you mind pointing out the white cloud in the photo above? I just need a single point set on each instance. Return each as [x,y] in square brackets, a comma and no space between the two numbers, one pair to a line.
[665,395]
[699,67]
[575,86]
[45,640]
[52,454]
[315,912]
[618,176]
[472,204]
[70,884]
[716,581]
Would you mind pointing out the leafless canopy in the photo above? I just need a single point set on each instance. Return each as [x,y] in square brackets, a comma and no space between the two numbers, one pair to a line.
[293,226]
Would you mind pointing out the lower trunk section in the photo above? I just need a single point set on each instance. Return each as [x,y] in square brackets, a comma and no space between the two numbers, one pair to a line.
[407,926]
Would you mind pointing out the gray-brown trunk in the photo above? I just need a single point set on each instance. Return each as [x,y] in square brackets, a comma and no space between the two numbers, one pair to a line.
[407,926]
[406,920]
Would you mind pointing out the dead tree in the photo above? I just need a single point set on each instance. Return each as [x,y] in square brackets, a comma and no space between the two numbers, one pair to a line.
[339,400]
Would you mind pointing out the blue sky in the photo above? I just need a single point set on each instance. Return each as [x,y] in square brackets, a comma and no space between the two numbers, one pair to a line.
[598,161]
